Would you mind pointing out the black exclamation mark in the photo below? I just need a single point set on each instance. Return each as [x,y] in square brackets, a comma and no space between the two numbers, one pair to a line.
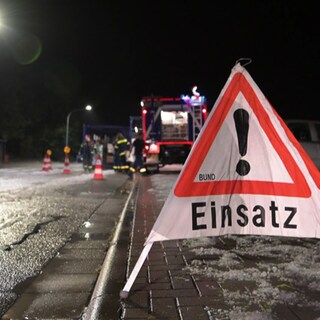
[241,119]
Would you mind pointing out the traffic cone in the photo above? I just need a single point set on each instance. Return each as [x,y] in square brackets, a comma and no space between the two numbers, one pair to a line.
[66,168]
[49,162]
[98,169]
[46,166]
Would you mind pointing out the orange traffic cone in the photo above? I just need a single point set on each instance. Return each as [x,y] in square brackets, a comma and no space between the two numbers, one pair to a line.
[66,168]
[49,162]
[46,166]
[98,169]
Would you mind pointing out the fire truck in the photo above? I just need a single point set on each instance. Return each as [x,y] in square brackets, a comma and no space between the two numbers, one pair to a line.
[170,126]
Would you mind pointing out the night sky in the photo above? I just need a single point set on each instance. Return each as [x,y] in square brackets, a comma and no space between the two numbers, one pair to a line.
[112,53]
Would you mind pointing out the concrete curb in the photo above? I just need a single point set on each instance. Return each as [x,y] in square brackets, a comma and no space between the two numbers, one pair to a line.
[97,298]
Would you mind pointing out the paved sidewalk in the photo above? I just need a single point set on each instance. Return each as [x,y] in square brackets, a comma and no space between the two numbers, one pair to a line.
[162,289]
[165,289]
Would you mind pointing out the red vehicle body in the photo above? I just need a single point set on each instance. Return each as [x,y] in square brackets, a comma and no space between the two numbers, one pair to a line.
[170,126]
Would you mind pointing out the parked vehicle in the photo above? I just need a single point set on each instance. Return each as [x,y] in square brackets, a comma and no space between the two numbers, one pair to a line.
[307,132]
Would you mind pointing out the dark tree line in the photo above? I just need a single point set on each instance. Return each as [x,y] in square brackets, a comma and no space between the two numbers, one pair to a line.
[34,103]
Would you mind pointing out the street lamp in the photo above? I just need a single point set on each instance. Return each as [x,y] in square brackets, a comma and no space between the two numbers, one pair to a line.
[88,108]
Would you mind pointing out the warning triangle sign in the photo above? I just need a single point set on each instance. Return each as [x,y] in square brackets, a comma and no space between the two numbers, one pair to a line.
[242,123]
[244,174]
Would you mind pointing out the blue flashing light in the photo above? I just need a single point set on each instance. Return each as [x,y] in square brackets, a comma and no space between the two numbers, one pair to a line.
[185,98]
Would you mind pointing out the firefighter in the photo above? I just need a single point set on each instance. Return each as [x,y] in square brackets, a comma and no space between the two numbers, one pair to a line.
[121,148]
[137,149]
[87,151]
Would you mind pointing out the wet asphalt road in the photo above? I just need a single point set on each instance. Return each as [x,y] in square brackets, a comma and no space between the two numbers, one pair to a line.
[37,220]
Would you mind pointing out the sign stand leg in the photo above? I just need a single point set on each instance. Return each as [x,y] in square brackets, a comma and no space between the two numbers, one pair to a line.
[125,291]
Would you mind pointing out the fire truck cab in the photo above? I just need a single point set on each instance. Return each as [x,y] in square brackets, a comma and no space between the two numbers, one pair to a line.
[170,126]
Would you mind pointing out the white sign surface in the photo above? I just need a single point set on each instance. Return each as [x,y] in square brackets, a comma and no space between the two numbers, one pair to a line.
[246,174]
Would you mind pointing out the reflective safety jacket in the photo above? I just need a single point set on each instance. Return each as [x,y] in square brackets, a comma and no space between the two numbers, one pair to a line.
[121,149]
[122,146]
